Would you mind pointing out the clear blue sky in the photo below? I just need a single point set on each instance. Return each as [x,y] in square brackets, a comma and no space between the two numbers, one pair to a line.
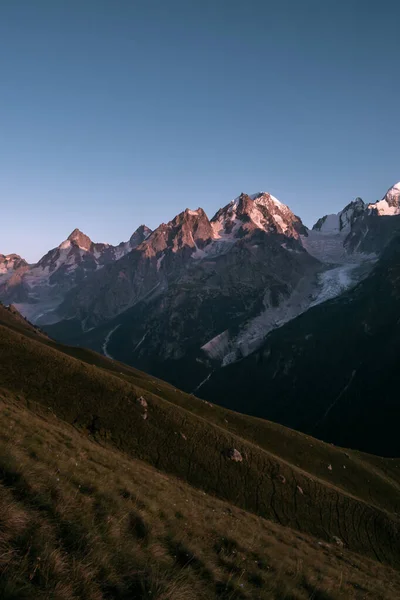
[121,112]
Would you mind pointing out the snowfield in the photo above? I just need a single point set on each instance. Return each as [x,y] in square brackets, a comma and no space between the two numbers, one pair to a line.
[334,282]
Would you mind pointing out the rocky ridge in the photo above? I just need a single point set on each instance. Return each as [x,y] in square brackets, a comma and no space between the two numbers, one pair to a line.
[39,289]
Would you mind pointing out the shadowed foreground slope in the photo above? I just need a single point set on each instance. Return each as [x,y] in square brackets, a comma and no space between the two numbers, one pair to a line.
[87,519]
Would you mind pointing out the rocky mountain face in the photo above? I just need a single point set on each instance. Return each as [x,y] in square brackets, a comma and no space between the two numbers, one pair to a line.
[197,292]
[141,234]
[259,211]
[39,289]
[10,263]
[197,318]
[142,273]
[12,267]
[331,372]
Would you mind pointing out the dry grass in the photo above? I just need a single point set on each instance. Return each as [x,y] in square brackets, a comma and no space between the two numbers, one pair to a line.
[78,520]
[84,513]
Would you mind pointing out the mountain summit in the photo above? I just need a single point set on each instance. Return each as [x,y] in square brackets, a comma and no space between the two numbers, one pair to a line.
[341,221]
[390,203]
[257,211]
[141,234]
[80,239]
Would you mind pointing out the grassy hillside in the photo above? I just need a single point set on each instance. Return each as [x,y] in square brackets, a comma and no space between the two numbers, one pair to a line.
[80,438]
[78,520]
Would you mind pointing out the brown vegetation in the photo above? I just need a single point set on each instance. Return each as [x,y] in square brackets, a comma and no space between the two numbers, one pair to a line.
[84,513]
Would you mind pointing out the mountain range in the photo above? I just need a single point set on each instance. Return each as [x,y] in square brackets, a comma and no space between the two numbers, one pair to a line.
[198,299]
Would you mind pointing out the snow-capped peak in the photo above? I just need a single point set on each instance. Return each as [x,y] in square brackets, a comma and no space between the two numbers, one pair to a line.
[10,263]
[260,196]
[256,211]
[390,203]
[341,221]
[65,244]
[257,196]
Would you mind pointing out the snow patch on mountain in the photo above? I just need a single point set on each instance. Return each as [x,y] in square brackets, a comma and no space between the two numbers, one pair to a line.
[217,248]
[120,250]
[198,254]
[281,223]
[279,214]
[202,382]
[390,203]
[253,333]
[395,189]
[107,341]
[159,261]
[225,223]
[265,198]
[331,223]
[384,209]
[217,347]
[334,282]
[326,246]
[9,264]
[141,341]
[65,245]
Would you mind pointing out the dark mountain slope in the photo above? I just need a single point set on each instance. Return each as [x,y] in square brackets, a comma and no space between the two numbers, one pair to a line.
[11,317]
[372,234]
[280,474]
[333,371]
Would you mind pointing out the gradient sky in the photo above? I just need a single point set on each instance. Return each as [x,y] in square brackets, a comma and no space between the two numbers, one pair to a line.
[121,112]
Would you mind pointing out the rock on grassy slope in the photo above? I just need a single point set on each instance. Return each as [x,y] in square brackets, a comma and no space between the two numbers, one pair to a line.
[114,484]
